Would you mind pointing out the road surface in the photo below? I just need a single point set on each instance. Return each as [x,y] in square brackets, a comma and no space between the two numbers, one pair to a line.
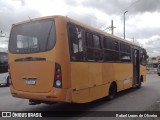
[145,98]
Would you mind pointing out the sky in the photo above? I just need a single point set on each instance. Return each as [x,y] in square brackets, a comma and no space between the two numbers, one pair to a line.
[142,19]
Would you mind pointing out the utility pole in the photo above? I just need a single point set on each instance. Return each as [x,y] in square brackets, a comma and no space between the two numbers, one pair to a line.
[112,27]
[124,23]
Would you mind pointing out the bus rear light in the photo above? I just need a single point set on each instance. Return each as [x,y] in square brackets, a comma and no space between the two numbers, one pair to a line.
[58,70]
[58,83]
[57,76]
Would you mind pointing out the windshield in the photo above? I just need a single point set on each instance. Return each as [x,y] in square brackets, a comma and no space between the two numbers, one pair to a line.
[32,37]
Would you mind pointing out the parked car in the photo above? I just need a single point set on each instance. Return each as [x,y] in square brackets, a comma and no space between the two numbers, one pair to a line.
[4,76]
[158,70]
[4,79]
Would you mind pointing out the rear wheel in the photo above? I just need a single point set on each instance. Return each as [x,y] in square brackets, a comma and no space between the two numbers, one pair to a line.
[158,74]
[139,85]
[112,91]
[140,82]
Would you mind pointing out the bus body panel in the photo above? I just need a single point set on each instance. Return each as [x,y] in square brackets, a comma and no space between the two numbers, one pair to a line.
[39,72]
[90,94]
[44,71]
[55,95]
[94,79]
[143,72]
[120,73]
[62,55]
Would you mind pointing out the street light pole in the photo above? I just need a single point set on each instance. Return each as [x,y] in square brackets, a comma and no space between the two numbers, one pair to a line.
[124,23]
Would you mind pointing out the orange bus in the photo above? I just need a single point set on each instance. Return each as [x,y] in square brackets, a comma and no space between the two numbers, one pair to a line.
[58,59]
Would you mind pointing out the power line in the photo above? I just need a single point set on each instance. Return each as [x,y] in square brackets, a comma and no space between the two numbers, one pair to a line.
[127,8]
[120,13]
[132,4]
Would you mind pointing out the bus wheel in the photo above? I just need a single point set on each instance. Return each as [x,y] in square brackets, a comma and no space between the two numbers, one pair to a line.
[112,91]
[139,85]
[140,82]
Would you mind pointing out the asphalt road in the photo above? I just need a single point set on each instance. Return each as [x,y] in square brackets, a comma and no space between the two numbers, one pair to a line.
[147,98]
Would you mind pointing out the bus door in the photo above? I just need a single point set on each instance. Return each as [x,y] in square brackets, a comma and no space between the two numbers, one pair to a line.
[136,66]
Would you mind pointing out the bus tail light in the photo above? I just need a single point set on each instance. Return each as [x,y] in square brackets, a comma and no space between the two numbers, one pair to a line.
[58,76]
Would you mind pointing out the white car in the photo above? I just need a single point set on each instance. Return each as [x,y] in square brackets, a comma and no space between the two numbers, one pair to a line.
[4,76]
[4,79]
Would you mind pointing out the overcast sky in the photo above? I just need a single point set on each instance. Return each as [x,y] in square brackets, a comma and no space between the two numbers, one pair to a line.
[142,18]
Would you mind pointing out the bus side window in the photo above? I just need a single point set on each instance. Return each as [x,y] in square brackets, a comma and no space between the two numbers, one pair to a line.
[111,49]
[76,42]
[94,51]
[143,57]
[125,50]
[96,41]
[98,53]
[89,46]
[89,40]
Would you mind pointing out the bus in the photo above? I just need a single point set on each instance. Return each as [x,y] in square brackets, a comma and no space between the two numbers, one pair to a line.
[4,76]
[59,59]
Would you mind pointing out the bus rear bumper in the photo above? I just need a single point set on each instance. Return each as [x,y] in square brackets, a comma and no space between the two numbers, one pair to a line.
[55,95]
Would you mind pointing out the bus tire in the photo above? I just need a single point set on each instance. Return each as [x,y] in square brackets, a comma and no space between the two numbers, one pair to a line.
[139,85]
[140,82]
[112,91]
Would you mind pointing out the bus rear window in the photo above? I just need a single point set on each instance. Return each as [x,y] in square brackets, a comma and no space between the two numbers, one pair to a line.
[32,37]
[26,42]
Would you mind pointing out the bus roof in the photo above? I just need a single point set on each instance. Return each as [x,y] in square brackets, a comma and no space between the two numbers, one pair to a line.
[92,28]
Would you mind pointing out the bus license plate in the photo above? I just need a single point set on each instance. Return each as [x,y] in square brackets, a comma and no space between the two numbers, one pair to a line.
[30,82]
